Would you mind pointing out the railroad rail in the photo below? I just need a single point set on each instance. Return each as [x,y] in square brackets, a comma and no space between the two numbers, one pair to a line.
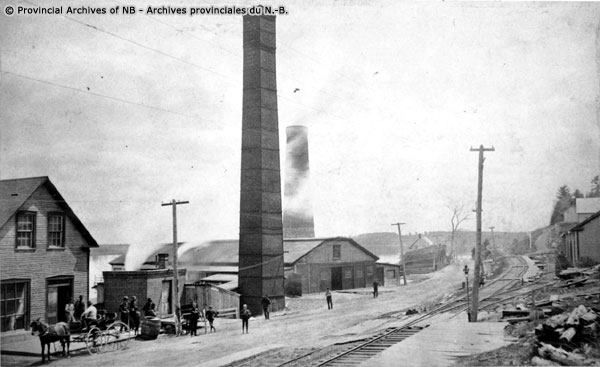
[391,336]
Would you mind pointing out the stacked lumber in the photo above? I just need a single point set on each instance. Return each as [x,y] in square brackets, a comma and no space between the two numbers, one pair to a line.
[563,338]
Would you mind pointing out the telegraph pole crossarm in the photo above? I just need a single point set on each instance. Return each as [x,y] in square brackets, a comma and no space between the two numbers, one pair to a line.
[477,270]
[177,312]
[401,250]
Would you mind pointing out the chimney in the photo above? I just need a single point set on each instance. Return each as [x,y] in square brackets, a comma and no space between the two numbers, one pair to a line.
[297,213]
[261,234]
[161,261]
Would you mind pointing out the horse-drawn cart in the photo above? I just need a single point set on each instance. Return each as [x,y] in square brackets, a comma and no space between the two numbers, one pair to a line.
[104,334]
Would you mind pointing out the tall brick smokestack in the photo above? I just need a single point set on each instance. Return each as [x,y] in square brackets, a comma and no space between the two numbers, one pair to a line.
[261,233]
[297,214]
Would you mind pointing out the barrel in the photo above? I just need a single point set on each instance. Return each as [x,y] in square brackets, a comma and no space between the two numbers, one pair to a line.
[150,328]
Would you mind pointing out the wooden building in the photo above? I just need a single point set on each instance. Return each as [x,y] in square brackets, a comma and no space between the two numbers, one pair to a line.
[143,284]
[336,263]
[583,240]
[44,253]
[222,300]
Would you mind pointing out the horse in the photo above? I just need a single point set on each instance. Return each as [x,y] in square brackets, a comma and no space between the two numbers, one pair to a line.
[50,334]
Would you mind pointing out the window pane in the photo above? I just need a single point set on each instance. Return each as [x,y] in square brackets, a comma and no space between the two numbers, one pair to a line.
[10,291]
[10,307]
[20,322]
[55,223]
[20,290]
[3,308]
[20,306]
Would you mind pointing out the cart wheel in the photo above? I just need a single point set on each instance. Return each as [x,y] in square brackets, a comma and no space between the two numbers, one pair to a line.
[117,336]
[94,340]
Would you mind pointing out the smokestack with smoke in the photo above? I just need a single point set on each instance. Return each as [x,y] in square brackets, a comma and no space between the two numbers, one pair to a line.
[297,213]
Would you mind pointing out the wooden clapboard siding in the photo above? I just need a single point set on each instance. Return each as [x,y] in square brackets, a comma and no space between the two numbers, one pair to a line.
[42,263]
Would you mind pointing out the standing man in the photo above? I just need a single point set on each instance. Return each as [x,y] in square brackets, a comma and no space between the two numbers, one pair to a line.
[194,317]
[134,315]
[210,316]
[79,308]
[375,289]
[266,305]
[329,300]
[70,311]
[124,311]
[245,316]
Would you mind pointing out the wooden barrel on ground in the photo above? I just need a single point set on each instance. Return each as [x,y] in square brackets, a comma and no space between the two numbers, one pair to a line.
[150,328]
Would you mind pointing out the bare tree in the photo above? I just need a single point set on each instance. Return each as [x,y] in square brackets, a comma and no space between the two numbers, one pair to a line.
[458,216]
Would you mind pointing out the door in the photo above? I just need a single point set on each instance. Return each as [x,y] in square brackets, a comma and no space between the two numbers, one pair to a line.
[336,278]
[52,309]
[59,293]
[164,303]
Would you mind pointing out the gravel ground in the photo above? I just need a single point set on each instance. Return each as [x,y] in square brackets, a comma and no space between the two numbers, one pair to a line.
[304,326]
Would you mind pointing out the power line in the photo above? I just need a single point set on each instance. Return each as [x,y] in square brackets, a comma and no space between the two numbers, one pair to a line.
[101,95]
[140,45]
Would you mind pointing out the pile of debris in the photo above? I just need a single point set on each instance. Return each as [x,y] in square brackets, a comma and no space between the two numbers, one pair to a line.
[569,338]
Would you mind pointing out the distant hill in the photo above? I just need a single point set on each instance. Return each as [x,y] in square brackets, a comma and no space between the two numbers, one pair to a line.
[387,244]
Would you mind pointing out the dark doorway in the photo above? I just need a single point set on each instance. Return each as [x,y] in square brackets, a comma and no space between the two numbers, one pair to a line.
[60,292]
[336,278]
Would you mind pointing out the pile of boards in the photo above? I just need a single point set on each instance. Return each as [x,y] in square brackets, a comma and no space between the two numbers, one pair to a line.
[567,338]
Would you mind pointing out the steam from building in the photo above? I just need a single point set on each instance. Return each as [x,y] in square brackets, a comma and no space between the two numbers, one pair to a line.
[298,219]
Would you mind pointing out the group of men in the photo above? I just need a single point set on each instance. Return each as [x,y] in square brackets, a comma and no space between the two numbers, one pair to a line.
[79,312]
[329,299]
[194,316]
[129,314]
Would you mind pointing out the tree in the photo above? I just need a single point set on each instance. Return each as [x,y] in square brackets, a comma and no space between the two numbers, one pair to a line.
[595,190]
[458,216]
[564,201]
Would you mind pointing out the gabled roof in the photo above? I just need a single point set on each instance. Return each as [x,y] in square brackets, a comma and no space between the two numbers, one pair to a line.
[579,227]
[295,249]
[226,251]
[14,193]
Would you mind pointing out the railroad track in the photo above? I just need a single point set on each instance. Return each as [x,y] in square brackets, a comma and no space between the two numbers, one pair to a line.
[362,352]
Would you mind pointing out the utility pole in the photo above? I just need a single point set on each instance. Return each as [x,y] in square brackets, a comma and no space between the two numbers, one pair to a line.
[493,239]
[477,271]
[530,241]
[175,290]
[401,250]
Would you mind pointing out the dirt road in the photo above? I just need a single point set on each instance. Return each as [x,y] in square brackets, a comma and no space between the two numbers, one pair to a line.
[306,323]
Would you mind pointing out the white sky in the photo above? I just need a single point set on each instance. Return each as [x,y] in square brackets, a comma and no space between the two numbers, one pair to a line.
[393,96]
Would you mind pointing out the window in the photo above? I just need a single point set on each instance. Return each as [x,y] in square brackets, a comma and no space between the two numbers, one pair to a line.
[337,252]
[359,273]
[14,298]
[26,230]
[348,274]
[56,230]
[369,270]
[390,273]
